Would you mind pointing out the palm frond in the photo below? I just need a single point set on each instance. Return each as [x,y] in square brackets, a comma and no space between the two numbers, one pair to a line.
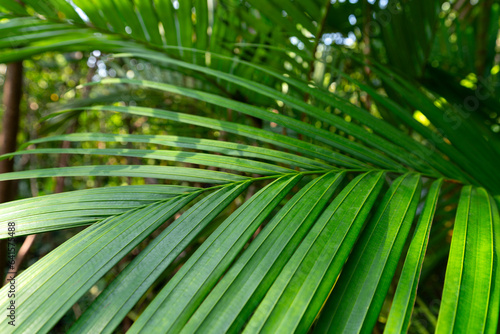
[314,213]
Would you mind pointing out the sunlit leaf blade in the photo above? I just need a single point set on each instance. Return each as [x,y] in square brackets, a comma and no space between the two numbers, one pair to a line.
[127,11]
[297,295]
[494,304]
[85,42]
[359,293]
[469,274]
[123,293]
[147,15]
[348,146]
[178,300]
[237,164]
[397,138]
[75,208]
[218,146]
[51,286]
[160,172]
[404,298]
[202,24]
[234,298]
[91,11]
[116,21]
[18,40]
[239,129]
[167,9]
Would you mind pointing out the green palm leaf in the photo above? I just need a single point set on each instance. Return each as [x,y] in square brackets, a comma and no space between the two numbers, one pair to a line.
[359,293]
[305,186]
[80,262]
[469,276]
[202,271]
[76,208]
[243,287]
[404,298]
[118,299]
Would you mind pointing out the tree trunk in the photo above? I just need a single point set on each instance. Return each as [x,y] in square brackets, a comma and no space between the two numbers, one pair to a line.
[12,93]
